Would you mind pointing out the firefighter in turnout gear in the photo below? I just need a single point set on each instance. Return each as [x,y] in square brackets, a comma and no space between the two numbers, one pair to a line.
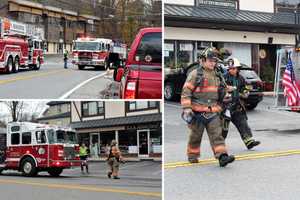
[201,99]
[236,112]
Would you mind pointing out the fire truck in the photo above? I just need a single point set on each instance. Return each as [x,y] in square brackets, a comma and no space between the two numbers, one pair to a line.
[98,52]
[31,148]
[21,46]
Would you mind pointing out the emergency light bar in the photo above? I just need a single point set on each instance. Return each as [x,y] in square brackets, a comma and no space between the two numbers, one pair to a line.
[13,27]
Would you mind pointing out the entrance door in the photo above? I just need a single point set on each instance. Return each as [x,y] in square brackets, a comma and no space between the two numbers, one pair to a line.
[143,142]
[94,145]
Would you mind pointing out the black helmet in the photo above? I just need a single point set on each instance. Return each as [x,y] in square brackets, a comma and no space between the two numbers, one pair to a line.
[210,52]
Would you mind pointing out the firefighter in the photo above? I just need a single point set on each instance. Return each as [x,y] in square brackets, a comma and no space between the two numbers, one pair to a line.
[235,104]
[113,160]
[201,100]
[83,154]
[66,55]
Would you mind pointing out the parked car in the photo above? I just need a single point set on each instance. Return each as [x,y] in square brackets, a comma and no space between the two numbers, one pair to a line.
[175,81]
[141,77]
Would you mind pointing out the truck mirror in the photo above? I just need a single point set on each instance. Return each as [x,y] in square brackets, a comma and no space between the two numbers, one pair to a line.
[118,74]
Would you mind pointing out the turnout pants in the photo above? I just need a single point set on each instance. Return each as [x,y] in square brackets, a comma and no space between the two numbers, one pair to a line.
[214,132]
[113,164]
[239,119]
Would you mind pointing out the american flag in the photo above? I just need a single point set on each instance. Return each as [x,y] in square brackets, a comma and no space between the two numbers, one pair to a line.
[291,90]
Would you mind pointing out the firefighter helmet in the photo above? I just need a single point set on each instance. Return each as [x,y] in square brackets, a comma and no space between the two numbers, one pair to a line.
[234,63]
[210,52]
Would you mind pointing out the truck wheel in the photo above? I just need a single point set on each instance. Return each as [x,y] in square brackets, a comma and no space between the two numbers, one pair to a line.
[55,171]
[80,67]
[16,65]
[37,66]
[9,66]
[169,91]
[28,167]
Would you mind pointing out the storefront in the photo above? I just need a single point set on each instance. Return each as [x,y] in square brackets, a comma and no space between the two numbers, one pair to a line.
[253,37]
[137,136]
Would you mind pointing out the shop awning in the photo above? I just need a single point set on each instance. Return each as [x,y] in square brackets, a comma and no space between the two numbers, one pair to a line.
[119,121]
[229,18]
[58,116]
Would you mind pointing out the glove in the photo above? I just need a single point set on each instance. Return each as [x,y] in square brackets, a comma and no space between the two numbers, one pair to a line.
[187,115]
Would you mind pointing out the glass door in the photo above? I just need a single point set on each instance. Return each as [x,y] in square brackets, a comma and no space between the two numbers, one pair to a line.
[143,142]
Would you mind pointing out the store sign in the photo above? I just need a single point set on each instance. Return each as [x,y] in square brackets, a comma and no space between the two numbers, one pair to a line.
[232,3]
[186,47]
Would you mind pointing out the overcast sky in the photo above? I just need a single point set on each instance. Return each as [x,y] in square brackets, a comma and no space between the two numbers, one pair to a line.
[29,107]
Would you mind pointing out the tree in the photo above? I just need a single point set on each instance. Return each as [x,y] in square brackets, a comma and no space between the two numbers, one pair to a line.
[15,108]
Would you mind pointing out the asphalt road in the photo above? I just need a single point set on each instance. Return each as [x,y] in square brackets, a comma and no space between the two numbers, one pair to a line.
[139,180]
[52,81]
[270,171]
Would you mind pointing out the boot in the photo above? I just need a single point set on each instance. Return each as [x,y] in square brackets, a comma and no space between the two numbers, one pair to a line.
[225,159]
[193,159]
[116,177]
[109,174]
[252,144]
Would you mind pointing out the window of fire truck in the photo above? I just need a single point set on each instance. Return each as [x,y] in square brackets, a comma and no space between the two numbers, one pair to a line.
[41,137]
[61,136]
[15,138]
[26,138]
[36,45]
[93,46]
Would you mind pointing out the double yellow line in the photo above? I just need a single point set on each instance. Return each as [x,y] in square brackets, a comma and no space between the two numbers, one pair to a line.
[31,76]
[238,157]
[82,188]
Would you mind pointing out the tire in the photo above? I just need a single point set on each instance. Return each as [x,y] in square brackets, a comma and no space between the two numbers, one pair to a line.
[28,167]
[9,66]
[55,172]
[169,91]
[80,67]
[37,66]
[16,65]
[251,106]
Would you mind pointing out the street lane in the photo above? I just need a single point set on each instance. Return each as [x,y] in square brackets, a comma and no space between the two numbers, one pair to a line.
[50,82]
[139,180]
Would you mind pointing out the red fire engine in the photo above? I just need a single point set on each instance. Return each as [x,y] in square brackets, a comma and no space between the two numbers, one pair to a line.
[32,148]
[98,52]
[18,47]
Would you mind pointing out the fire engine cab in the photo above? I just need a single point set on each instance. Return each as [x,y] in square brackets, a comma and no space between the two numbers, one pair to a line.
[98,52]
[21,46]
[32,148]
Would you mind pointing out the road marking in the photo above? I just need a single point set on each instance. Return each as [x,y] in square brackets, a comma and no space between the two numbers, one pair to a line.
[238,157]
[67,94]
[80,187]
[30,76]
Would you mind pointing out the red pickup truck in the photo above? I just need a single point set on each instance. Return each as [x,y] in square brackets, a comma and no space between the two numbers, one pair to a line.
[141,77]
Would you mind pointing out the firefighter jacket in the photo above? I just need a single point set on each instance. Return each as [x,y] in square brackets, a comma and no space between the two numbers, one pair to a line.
[203,91]
[239,94]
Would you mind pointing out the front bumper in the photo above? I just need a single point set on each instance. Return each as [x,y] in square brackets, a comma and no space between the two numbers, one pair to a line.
[89,62]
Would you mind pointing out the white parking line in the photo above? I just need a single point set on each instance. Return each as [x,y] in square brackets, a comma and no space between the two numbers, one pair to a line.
[67,94]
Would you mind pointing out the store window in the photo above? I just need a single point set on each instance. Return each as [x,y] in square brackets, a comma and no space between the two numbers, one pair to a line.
[141,105]
[92,108]
[156,141]
[169,54]
[287,6]
[128,141]
[185,54]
